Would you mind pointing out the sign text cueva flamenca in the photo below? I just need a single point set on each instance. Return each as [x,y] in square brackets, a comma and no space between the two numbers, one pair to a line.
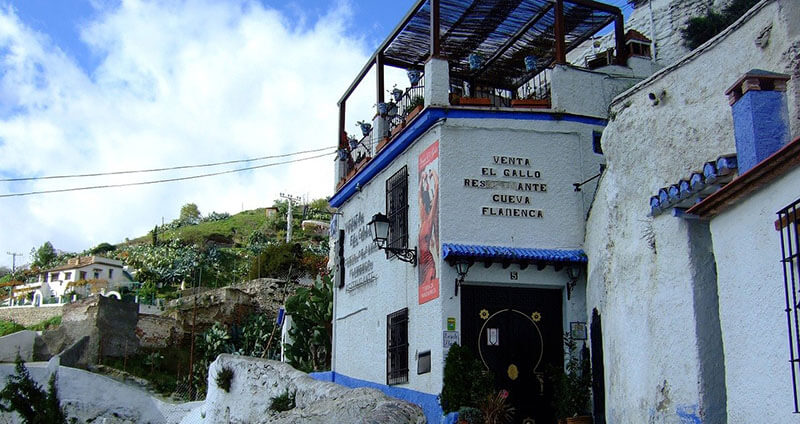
[510,174]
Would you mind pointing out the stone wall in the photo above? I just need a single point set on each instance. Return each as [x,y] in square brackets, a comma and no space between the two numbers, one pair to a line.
[29,315]
[156,332]
[644,272]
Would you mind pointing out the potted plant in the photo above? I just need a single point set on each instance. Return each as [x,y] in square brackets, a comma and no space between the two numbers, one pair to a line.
[414,76]
[397,94]
[572,388]
[415,105]
[366,127]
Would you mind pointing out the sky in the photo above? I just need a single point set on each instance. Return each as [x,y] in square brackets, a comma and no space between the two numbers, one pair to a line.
[98,86]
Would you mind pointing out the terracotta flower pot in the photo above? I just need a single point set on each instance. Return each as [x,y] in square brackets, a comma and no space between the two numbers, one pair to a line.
[585,419]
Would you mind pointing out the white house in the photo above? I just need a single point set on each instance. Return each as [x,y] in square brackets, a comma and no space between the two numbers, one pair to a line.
[690,298]
[494,175]
[85,275]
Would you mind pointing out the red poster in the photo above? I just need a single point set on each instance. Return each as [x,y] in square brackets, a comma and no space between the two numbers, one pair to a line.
[428,265]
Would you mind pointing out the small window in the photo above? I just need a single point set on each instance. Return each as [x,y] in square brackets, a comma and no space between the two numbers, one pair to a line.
[397,347]
[110,274]
[67,276]
[83,275]
[788,224]
[96,273]
[596,146]
[397,209]
[54,276]
[424,362]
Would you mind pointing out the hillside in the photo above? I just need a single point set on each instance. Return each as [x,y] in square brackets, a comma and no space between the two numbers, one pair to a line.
[233,230]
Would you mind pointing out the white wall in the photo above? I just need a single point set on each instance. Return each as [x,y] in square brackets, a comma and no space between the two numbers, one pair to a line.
[752,304]
[646,294]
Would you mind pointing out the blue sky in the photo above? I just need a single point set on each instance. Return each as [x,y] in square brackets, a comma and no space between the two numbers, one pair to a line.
[110,85]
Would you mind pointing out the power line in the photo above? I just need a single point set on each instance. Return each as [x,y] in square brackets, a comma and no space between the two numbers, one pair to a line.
[191,177]
[139,171]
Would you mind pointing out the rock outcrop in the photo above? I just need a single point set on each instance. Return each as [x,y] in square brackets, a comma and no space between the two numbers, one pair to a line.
[256,382]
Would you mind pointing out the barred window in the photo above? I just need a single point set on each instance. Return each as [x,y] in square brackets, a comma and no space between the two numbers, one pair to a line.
[788,223]
[397,209]
[397,347]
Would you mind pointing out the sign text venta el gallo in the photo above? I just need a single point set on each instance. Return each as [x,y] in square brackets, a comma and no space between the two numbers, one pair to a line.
[519,178]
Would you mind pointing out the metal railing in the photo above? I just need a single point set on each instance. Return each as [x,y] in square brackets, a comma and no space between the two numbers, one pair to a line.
[412,98]
[788,224]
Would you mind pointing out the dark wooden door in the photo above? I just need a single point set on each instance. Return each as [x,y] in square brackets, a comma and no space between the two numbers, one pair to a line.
[517,334]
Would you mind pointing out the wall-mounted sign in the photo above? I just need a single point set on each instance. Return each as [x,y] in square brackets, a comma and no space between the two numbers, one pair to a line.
[493,337]
[358,265]
[449,338]
[515,185]
[451,323]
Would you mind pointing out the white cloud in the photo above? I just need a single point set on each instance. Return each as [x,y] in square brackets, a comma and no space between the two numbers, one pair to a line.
[184,82]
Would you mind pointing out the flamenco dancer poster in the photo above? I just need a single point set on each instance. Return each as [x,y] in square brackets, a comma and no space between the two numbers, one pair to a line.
[429,224]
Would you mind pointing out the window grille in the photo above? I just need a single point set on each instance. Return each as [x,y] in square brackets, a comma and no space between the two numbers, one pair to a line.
[397,210]
[397,347]
[787,223]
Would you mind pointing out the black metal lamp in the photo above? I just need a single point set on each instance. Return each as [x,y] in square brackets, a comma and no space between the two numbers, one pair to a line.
[462,267]
[380,236]
[380,229]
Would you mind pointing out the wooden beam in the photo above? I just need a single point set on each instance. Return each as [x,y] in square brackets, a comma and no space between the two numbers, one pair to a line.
[511,41]
[487,264]
[560,36]
[379,80]
[523,266]
[619,37]
[540,266]
[436,40]
[342,142]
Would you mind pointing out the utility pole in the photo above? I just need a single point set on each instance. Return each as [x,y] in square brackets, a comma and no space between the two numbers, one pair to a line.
[289,198]
[14,260]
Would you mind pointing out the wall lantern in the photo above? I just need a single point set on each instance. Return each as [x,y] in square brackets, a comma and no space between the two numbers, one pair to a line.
[572,273]
[462,267]
[380,236]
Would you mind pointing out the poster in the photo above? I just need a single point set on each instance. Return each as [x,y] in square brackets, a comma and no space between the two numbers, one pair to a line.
[428,195]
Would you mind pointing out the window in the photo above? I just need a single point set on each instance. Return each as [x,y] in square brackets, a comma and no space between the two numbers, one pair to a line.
[54,276]
[67,276]
[83,275]
[788,223]
[397,347]
[597,147]
[110,274]
[96,273]
[397,209]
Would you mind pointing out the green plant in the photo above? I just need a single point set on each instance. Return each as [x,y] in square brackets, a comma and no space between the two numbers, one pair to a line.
[470,415]
[224,378]
[415,101]
[255,335]
[466,381]
[9,327]
[572,389]
[283,402]
[700,29]
[312,316]
[46,324]
[25,397]
[495,410]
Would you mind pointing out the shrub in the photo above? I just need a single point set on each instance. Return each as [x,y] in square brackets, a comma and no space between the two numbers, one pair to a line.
[9,327]
[703,28]
[470,415]
[495,410]
[284,402]
[466,381]
[25,397]
[224,378]
[46,324]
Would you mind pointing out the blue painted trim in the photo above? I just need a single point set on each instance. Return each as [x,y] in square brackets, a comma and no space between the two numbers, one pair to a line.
[499,253]
[423,122]
[428,402]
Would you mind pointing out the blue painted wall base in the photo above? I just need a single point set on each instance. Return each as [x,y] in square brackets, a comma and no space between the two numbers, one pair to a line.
[428,402]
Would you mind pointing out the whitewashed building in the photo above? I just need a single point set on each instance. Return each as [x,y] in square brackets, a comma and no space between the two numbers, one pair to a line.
[691,298]
[85,275]
[495,173]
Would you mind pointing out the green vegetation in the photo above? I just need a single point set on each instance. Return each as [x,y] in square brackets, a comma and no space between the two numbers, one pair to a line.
[9,327]
[284,402]
[46,324]
[466,381]
[44,256]
[25,397]
[572,389]
[224,378]
[312,316]
[161,367]
[703,28]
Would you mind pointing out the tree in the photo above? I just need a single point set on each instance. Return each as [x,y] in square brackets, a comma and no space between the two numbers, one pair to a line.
[24,396]
[312,317]
[190,214]
[102,249]
[44,256]
[4,270]
[275,260]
